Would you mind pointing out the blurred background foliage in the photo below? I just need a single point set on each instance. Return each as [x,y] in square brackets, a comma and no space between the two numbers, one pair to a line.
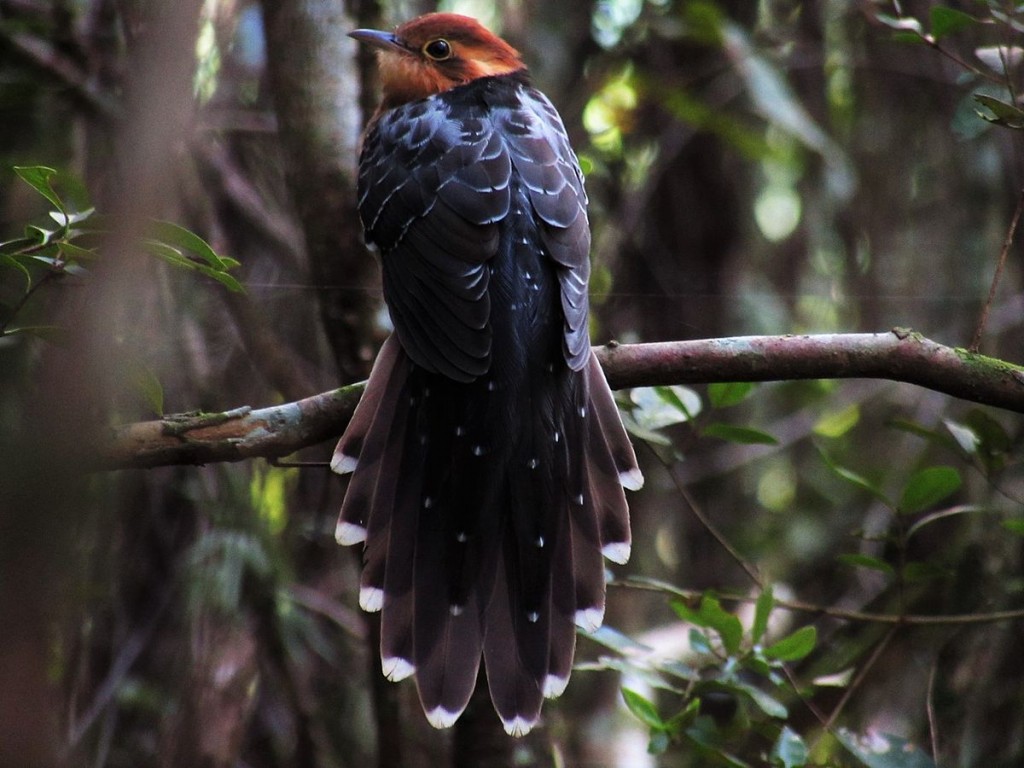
[768,166]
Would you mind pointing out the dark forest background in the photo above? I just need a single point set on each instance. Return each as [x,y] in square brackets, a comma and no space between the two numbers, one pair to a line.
[823,573]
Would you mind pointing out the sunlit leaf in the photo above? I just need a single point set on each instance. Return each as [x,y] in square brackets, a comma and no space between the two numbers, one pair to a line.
[172,234]
[38,177]
[618,642]
[1000,112]
[789,750]
[838,423]
[659,407]
[882,750]
[642,709]
[794,646]
[927,487]
[711,615]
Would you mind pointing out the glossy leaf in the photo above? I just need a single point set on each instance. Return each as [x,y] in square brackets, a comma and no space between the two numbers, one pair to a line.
[172,234]
[794,646]
[642,709]
[38,177]
[789,750]
[882,750]
[927,487]
[1000,112]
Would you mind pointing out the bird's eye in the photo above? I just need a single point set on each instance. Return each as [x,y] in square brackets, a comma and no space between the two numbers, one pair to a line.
[438,50]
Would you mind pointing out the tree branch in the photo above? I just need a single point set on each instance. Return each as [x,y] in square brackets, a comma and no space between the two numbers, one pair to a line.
[898,355]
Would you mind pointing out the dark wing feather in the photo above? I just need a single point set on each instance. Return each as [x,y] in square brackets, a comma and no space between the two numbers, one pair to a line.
[550,172]
[433,183]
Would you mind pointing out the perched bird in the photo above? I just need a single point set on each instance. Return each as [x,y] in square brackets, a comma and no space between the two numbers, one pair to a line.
[488,459]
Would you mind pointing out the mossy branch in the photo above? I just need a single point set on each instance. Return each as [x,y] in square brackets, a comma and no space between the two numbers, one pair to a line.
[898,355]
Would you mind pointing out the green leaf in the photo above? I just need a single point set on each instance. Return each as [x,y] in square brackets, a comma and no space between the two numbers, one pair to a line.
[38,177]
[741,435]
[1016,525]
[724,623]
[882,750]
[659,743]
[789,750]
[946,21]
[765,702]
[762,611]
[1001,112]
[171,233]
[13,263]
[72,252]
[838,423]
[723,395]
[795,646]
[223,278]
[852,477]
[699,642]
[866,561]
[643,709]
[658,407]
[928,487]
[711,615]
[618,642]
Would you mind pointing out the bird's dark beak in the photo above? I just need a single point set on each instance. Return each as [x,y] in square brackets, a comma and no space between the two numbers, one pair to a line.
[376,38]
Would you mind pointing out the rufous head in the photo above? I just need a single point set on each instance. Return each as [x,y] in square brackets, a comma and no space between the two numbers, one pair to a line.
[436,52]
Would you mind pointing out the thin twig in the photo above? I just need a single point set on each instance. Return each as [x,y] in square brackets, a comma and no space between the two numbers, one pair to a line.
[876,654]
[910,619]
[705,521]
[933,731]
[1003,254]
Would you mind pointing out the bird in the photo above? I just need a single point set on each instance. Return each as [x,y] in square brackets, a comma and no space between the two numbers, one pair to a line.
[487,456]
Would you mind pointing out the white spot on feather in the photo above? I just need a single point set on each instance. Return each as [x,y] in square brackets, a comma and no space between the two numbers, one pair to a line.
[632,480]
[618,552]
[343,464]
[396,669]
[518,726]
[554,686]
[348,534]
[589,619]
[442,718]
[371,599]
